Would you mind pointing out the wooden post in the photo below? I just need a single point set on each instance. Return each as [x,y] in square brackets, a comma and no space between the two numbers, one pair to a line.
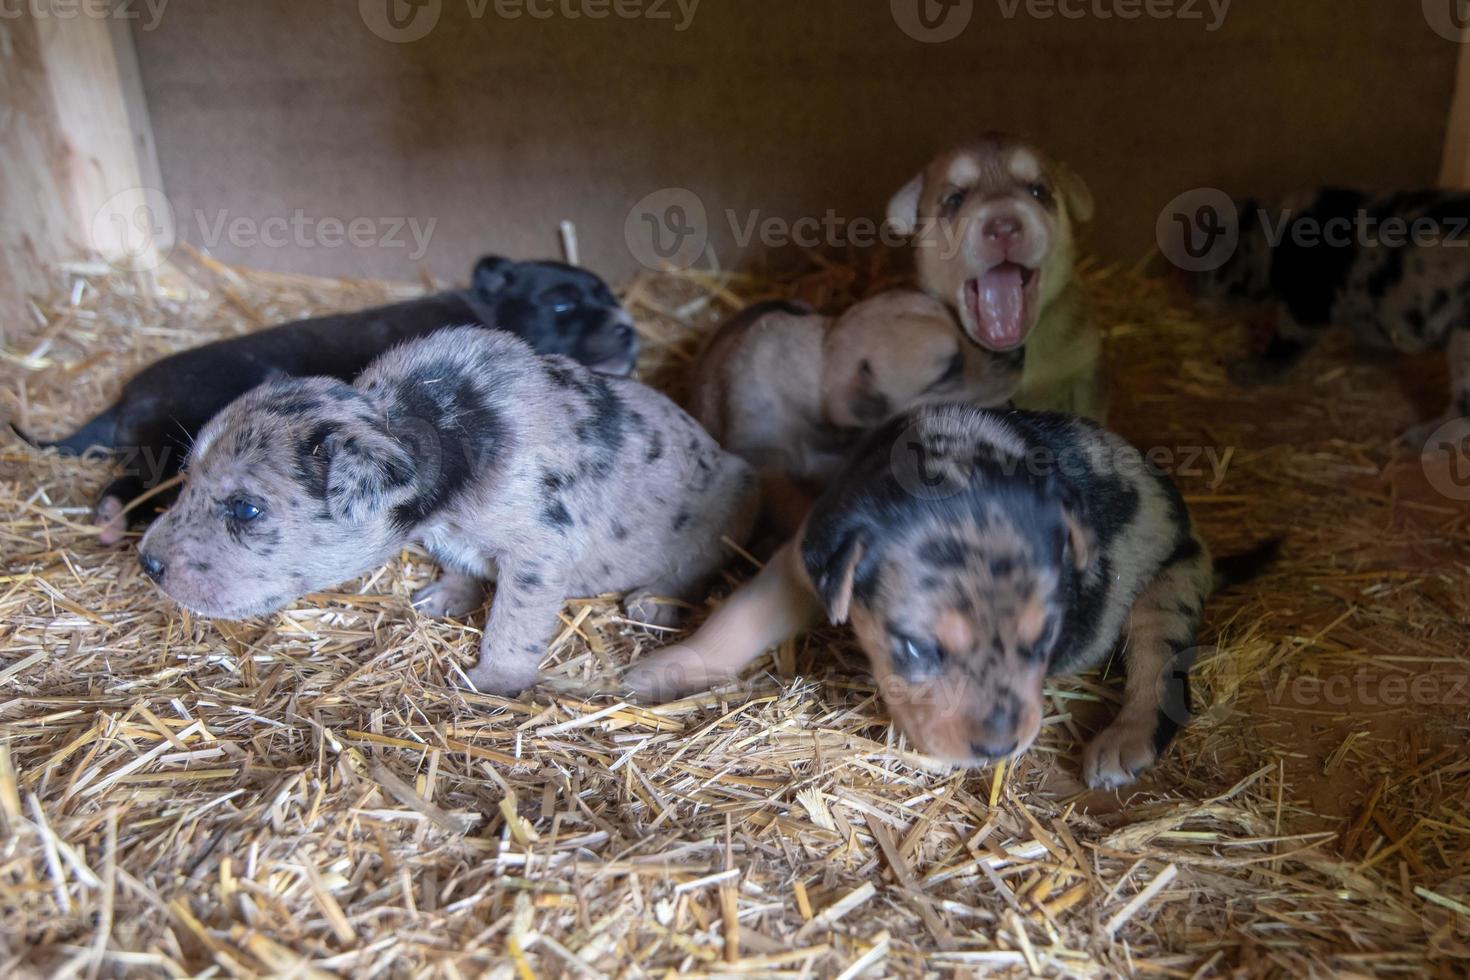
[75,147]
[1455,170]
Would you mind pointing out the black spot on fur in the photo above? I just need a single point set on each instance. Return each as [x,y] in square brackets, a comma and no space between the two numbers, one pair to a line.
[655,446]
[945,552]
[447,424]
[529,579]
[556,515]
[681,519]
[619,532]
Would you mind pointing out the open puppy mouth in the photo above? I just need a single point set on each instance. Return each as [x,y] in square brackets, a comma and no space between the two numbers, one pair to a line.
[1000,307]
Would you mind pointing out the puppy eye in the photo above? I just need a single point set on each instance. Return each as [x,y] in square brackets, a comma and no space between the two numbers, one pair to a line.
[1040,191]
[916,659]
[560,308]
[951,203]
[243,510]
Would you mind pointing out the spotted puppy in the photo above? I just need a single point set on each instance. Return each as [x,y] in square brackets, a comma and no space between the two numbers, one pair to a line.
[992,224]
[561,481]
[1394,269]
[790,391]
[556,308]
[976,552]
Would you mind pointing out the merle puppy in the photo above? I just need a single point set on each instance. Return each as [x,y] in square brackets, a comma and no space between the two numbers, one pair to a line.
[533,470]
[1394,269]
[556,308]
[976,552]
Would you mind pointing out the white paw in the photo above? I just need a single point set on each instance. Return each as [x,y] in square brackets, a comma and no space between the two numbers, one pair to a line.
[505,676]
[449,598]
[1122,751]
[645,606]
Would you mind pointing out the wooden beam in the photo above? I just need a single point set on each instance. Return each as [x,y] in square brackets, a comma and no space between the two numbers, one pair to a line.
[75,145]
[1455,170]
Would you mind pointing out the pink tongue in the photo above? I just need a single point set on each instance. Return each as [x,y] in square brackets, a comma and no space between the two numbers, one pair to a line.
[998,301]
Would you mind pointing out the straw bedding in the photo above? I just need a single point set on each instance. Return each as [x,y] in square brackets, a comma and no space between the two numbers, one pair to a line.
[310,795]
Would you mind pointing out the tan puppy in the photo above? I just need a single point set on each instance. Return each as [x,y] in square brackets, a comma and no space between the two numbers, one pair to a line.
[789,390]
[992,224]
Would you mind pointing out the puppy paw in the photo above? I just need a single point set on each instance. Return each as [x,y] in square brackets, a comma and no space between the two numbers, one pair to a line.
[644,606]
[1116,757]
[108,516]
[669,674]
[506,677]
[449,598]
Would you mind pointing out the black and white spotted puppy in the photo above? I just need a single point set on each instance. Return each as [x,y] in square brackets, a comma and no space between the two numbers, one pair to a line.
[556,308]
[1394,269]
[976,552]
[534,470]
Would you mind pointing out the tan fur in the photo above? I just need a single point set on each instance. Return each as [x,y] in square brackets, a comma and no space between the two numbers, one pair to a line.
[1063,349]
[789,393]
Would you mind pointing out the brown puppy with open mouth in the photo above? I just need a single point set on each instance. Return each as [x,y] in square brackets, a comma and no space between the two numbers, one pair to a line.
[993,228]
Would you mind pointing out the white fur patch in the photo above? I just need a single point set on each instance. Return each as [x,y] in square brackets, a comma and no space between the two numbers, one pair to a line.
[1024,165]
[963,171]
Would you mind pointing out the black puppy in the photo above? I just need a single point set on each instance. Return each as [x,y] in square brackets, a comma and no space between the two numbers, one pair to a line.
[556,308]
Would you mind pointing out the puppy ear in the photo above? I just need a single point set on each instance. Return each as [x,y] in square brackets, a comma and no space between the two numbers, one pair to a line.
[1079,540]
[491,274]
[367,472]
[1074,189]
[832,571]
[903,210]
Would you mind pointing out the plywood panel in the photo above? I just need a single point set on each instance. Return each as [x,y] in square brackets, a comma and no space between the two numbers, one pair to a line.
[494,129]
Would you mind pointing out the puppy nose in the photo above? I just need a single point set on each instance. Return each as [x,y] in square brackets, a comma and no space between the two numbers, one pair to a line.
[1005,228]
[983,749]
[152,567]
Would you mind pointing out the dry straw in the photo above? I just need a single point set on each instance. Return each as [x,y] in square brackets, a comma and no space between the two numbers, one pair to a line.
[310,795]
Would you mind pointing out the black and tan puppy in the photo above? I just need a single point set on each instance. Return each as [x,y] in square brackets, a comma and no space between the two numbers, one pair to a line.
[1394,269]
[993,225]
[556,308]
[976,552]
[791,391]
[552,479]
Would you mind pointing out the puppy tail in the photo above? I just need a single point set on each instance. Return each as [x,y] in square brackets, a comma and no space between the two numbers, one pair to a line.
[99,433]
[1240,569]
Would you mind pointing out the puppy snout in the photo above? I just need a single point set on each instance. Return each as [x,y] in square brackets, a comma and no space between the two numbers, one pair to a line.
[993,750]
[1004,229]
[152,566]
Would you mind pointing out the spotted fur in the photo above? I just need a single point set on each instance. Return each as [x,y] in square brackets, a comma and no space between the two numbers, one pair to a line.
[499,462]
